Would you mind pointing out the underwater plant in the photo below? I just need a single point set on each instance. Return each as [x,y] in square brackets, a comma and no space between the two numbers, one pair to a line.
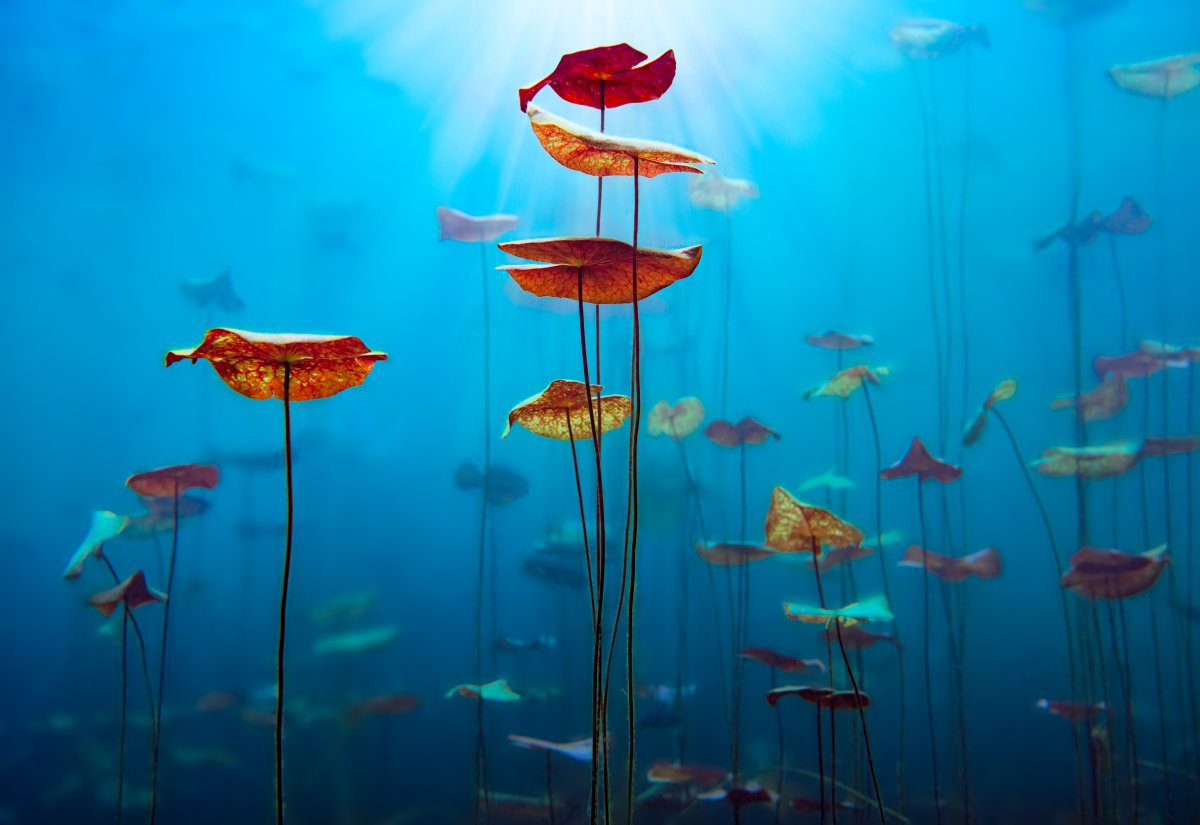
[459,226]
[168,482]
[129,594]
[792,526]
[592,78]
[579,750]
[291,368]
[920,463]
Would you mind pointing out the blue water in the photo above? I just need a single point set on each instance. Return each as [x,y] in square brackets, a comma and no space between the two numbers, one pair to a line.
[305,148]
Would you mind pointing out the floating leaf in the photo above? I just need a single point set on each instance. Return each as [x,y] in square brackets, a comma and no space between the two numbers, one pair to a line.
[778,661]
[874,609]
[169,482]
[253,363]
[356,642]
[746,431]
[837,556]
[821,697]
[847,381]
[547,413]
[1089,462]
[1168,77]
[676,421]
[918,462]
[674,773]
[839,340]
[795,527]
[497,691]
[1099,573]
[595,153]
[607,76]
[1073,711]
[984,564]
[829,480]
[933,37]
[712,191]
[579,749]
[1003,392]
[459,226]
[1170,445]
[105,525]
[606,266]
[1128,219]
[1104,402]
[730,554]
[857,637]
[391,704]
[217,292]
[132,591]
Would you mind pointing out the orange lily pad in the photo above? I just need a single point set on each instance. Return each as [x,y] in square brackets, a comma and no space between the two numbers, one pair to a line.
[595,153]
[985,564]
[746,431]
[253,363]
[620,71]
[1101,403]
[732,554]
[918,462]
[171,481]
[1100,573]
[459,226]
[1089,462]
[1168,77]
[847,381]
[837,556]
[796,527]
[547,413]
[678,420]
[132,591]
[606,266]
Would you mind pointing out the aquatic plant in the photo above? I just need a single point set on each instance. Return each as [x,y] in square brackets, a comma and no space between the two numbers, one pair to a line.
[291,368]
[920,463]
[793,526]
[459,226]
[168,482]
[588,77]
[580,750]
[129,594]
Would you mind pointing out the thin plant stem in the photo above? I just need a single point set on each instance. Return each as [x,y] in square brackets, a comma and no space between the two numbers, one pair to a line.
[481,783]
[283,595]
[162,656]
[862,715]
[937,797]
[124,703]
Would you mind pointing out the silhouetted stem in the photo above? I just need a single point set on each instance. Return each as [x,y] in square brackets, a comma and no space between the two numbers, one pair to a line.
[287,569]
[937,797]
[162,657]
[124,702]
[481,783]
[862,715]
[550,786]
[887,592]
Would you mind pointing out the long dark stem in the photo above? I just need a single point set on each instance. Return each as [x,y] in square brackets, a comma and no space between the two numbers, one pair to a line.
[137,631]
[862,715]
[162,656]
[481,783]
[937,797]
[779,741]
[124,702]
[1066,612]
[550,786]
[887,592]
[821,766]
[283,595]
[1125,680]
[726,300]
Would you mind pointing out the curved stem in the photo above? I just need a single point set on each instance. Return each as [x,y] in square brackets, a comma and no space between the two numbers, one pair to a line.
[887,591]
[283,596]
